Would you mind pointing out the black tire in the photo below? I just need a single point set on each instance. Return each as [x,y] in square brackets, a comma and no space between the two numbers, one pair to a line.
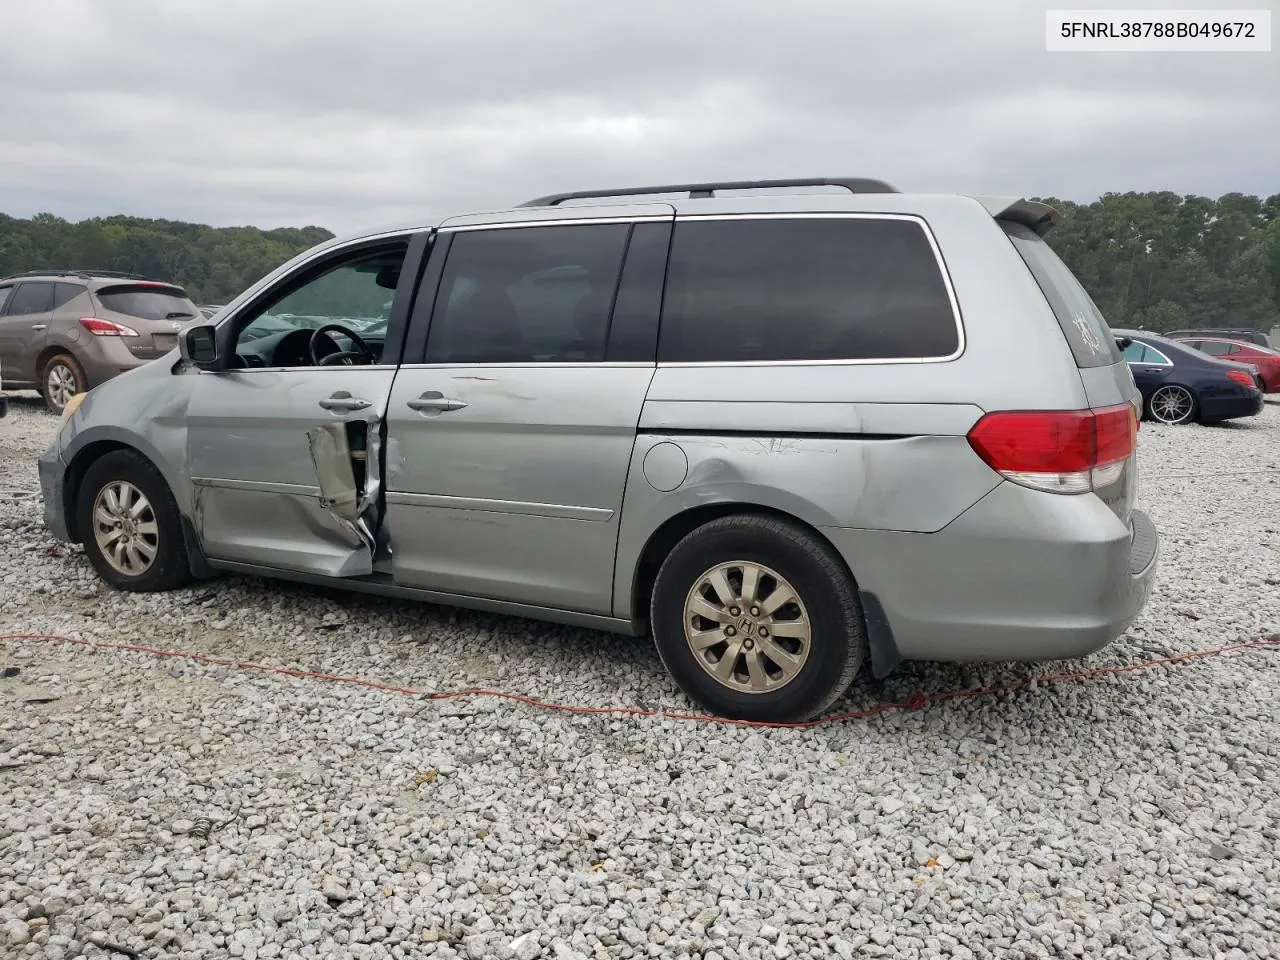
[837,644]
[169,567]
[68,370]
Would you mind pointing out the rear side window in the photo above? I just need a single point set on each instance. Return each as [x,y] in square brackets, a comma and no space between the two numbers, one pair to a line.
[64,293]
[839,288]
[31,298]
[1216,348]
[1092,343]
[147,303]
[1137,352]
[527,295]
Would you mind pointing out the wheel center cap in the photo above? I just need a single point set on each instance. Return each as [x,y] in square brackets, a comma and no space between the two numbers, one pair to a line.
[747,627]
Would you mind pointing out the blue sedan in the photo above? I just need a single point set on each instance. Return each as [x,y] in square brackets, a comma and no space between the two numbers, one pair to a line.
[1183,385]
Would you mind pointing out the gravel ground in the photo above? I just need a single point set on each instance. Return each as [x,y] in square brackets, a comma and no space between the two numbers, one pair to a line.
[164,808]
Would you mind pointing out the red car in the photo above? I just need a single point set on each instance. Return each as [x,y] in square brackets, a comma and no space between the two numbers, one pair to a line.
[1264,358]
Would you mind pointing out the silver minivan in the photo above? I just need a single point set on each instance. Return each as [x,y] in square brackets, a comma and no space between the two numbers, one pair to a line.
[790,433]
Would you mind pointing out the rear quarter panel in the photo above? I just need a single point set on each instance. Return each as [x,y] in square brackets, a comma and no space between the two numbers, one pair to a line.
[874,445]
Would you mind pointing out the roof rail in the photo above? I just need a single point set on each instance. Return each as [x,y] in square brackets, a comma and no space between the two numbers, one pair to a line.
[704,190]
[82,274]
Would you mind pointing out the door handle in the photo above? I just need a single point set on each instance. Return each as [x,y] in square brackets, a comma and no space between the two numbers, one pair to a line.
[343,402]
[433,401]
[38,326]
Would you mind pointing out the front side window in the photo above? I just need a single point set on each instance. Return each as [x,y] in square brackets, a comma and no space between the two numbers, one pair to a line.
[842,288]
[355,293]
[5,294]
[539,294]
[31,298]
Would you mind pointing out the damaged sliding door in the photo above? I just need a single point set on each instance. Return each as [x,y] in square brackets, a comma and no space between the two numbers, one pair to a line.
[285,465]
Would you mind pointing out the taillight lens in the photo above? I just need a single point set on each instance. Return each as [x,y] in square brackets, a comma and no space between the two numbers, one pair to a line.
[1059,451]
[107,328]
[1242,378]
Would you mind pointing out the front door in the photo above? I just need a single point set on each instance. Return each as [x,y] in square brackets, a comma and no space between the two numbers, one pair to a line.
[508,448]
[283,446]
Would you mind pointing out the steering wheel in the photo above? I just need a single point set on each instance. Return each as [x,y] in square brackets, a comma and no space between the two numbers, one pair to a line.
[345,357]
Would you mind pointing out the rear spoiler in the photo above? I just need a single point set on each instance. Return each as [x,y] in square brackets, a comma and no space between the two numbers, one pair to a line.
[1040,217]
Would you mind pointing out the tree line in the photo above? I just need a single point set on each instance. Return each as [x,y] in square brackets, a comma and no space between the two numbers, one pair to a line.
[1151,260]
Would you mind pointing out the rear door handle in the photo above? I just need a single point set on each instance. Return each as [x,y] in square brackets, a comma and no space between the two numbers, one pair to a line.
[343,402]
[38,326]
[434,401]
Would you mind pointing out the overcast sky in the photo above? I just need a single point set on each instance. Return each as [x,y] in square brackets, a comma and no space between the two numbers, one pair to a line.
[347,113]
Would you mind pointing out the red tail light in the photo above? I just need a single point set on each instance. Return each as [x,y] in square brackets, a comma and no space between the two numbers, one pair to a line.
[1060,451]
[106,328]
[1242,378]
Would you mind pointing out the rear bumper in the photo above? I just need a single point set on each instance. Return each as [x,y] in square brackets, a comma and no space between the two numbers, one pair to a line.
[108,357]
[52,478]
[1021,576]
[1229,408]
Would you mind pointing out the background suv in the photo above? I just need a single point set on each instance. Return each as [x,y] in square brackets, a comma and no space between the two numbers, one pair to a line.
[786,434]
[65,332]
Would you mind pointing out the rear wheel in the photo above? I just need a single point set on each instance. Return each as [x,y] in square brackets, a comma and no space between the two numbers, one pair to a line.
[1172,404]
[60,380]
[131,526]
[757,619]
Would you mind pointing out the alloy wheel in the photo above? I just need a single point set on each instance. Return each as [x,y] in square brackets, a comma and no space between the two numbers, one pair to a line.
[1172,405]
[747,627]
[60,384]
[125,528]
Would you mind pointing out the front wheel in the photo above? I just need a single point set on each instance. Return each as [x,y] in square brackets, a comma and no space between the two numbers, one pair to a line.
[1172,404]
[757,619]
[130,525]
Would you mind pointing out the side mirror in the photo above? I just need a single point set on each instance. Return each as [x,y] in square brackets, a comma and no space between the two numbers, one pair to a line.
[1123,342]
[199,346]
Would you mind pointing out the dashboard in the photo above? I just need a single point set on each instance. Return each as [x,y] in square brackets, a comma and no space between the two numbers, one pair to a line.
[292,348]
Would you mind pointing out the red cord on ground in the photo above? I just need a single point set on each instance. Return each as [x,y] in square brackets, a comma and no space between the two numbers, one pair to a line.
[915,702]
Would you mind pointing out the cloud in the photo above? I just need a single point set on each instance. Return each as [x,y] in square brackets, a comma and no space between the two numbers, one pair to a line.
[348,114]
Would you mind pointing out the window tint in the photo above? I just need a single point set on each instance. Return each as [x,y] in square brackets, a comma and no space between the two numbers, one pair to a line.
[1086,330]
[5,293]
[32,298]
[1215,348]
[64,293]
[527,294]
[804,289]
[355,293]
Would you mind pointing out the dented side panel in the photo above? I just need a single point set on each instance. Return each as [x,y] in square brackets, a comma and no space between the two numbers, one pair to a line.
[280,480]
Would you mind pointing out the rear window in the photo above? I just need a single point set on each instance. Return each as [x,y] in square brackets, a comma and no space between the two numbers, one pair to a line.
[148,303]
[839,288]
[1086,330]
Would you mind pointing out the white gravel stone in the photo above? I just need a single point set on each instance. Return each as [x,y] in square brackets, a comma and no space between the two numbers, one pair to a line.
[187,810]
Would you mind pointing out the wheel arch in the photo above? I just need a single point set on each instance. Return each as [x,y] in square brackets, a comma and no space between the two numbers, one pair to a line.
[47,353]
[676,527]
[93,450]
